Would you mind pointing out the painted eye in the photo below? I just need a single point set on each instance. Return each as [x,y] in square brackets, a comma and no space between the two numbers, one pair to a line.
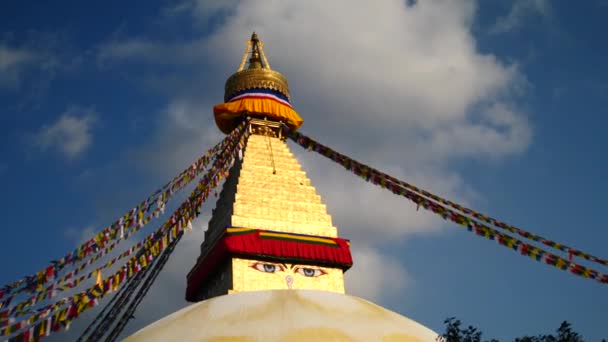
[267,268]
[310,272]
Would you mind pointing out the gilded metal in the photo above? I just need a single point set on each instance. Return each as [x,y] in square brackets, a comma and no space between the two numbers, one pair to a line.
[285,201]
[244,59]
[255,197]
[264,55]
[266,128]
[256,78]
[257,75]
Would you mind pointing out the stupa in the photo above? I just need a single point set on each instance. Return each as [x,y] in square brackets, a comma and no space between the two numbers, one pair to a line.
[272,265]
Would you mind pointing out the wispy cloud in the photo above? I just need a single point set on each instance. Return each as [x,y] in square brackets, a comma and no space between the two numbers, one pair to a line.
[30,63]
[70,135]
[133,47]
[13,62]
[79,236]
[519,12]
[202,10]
[375,276]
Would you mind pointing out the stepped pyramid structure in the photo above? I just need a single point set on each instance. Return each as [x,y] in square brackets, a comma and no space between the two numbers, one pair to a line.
[267,202]
[268,191]
[272,265]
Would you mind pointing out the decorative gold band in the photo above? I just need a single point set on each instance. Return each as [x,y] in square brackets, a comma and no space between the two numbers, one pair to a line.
[256,78]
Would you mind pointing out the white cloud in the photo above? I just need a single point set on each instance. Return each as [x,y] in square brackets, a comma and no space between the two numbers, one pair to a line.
[11,57]
[502,131]
[12,63]
[184,135]
[188,53]
[519,12]
[402,88]
[126,49]
[70,134]
[374,276]
[368,214]
[415,73]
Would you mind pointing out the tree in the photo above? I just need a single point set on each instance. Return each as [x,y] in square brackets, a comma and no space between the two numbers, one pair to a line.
[455,333]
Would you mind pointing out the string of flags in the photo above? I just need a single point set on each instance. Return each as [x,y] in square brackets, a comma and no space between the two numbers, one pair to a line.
[133,219]
[121,229]
[495,222]
[186,211]
[46,284]
[57,316]
[23,308]
[396,186]
[60,314]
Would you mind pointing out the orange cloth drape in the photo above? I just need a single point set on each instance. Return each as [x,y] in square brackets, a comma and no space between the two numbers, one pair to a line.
[227,115]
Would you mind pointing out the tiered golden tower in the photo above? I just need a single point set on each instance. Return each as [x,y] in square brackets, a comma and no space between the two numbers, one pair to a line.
[269,197]
[271,266]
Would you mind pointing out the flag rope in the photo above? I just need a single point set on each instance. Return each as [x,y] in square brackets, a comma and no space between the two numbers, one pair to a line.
[116,231]
[60,314]
[122,322]
[397,187]
[62,284]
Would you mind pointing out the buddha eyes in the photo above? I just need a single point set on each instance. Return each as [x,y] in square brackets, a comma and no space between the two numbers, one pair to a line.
[310,271]
[267,268]
[273,268]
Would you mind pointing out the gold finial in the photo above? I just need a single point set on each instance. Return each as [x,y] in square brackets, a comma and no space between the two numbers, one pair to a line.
[255,62]
[244,60]
[257,74]
[249,82]
[266,64]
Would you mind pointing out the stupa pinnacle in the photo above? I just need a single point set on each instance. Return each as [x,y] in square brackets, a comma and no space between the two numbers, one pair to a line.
[272,265]
[256,91]
[269,229]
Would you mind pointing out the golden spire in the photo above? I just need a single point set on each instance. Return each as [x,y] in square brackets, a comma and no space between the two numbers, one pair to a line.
[255,91]
[257,75]
[255,62]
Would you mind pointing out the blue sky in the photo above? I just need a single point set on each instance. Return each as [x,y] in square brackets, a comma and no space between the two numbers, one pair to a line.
[498,105]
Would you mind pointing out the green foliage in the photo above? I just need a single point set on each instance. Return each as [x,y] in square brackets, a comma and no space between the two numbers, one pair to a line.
[455,332]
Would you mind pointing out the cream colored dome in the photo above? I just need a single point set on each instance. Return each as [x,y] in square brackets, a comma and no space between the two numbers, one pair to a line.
[284,315]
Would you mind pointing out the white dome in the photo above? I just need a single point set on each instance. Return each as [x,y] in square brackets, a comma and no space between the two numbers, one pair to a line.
[284,315]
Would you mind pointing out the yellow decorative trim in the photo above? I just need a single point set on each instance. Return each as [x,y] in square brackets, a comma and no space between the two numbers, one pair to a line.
[299,237]
[233,230]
